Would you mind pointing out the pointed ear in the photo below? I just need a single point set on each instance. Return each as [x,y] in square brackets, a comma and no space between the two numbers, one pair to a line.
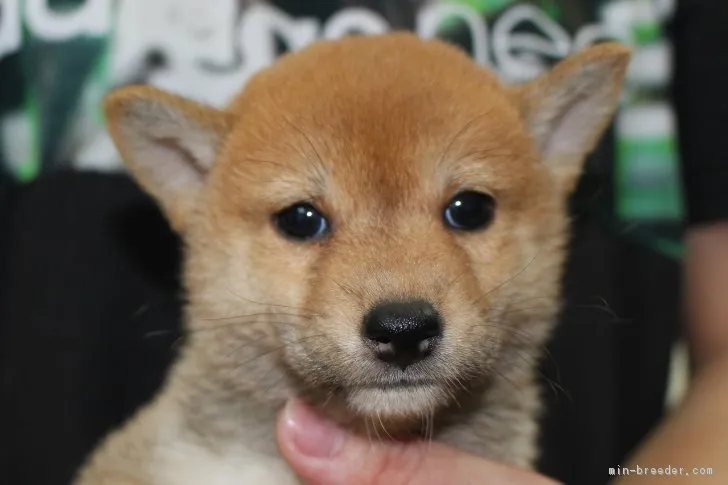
[168,143]
[568,109]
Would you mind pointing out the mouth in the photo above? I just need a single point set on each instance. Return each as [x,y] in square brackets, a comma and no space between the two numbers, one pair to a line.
[398,399]
[398,384]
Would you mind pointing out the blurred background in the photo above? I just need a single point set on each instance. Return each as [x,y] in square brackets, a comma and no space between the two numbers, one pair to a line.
[89,290]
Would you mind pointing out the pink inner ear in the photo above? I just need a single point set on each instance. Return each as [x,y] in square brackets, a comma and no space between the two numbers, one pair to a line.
[572,132]
[176,166]
[171,158]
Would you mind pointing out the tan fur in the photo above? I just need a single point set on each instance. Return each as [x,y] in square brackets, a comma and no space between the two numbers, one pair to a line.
[379,133]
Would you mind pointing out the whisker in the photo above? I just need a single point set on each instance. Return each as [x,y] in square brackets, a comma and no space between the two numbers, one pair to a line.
[278,165]
[451,389]
[260,314]
[347,289]
[457,136]
[492,153]
[273,350]
[432,426]
[510,279]
[158,333]
[428,434]
[329,396]
[242,318]
[320,167]
[366,427]
[277,305]
[192,331]
[525,338]
[379,417]
[376,432]
[506,379]
[556,387]
[451,284]
[569,307]
[533,362]
[275,384]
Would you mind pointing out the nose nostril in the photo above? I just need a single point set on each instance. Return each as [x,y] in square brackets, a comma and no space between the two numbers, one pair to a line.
[382,339]
[430,330]
[403,332]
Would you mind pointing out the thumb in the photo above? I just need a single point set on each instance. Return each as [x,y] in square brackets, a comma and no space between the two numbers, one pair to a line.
[324,454]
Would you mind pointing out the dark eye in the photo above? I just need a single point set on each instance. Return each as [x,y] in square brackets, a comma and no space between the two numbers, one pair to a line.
[301,222]
[469,211]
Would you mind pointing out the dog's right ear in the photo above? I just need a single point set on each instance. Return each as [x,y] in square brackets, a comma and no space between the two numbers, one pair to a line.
[168,143]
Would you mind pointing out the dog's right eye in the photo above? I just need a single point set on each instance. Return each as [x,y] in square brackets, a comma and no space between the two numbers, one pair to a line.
[301,222]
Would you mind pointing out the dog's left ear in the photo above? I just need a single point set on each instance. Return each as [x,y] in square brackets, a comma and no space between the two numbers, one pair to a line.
[568,109]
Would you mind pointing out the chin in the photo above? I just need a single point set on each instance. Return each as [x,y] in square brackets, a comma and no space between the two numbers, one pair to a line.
[394,403]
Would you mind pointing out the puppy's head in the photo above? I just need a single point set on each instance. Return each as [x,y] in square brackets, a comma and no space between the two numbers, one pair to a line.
[375,217]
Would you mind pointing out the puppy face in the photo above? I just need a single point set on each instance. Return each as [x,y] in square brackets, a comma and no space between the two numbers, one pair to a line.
[374,219]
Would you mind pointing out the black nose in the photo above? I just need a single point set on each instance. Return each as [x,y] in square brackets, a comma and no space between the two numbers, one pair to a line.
[403,333]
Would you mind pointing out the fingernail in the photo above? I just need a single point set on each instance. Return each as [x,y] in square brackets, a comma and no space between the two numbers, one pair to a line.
[311,434]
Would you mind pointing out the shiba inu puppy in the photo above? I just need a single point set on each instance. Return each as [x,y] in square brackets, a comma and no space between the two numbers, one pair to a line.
[375,225]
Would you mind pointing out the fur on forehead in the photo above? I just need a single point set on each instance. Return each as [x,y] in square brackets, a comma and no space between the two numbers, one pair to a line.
[427,112]
[400,64]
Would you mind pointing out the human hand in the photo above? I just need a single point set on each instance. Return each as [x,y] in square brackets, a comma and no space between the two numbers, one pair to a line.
[323,454]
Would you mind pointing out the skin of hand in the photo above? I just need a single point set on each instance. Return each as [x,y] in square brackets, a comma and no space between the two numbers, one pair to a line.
[696,434]
[706,292]
[323,454]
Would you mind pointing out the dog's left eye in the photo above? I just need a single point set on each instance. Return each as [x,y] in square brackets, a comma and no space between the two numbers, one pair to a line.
[302,222]
[469,211]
